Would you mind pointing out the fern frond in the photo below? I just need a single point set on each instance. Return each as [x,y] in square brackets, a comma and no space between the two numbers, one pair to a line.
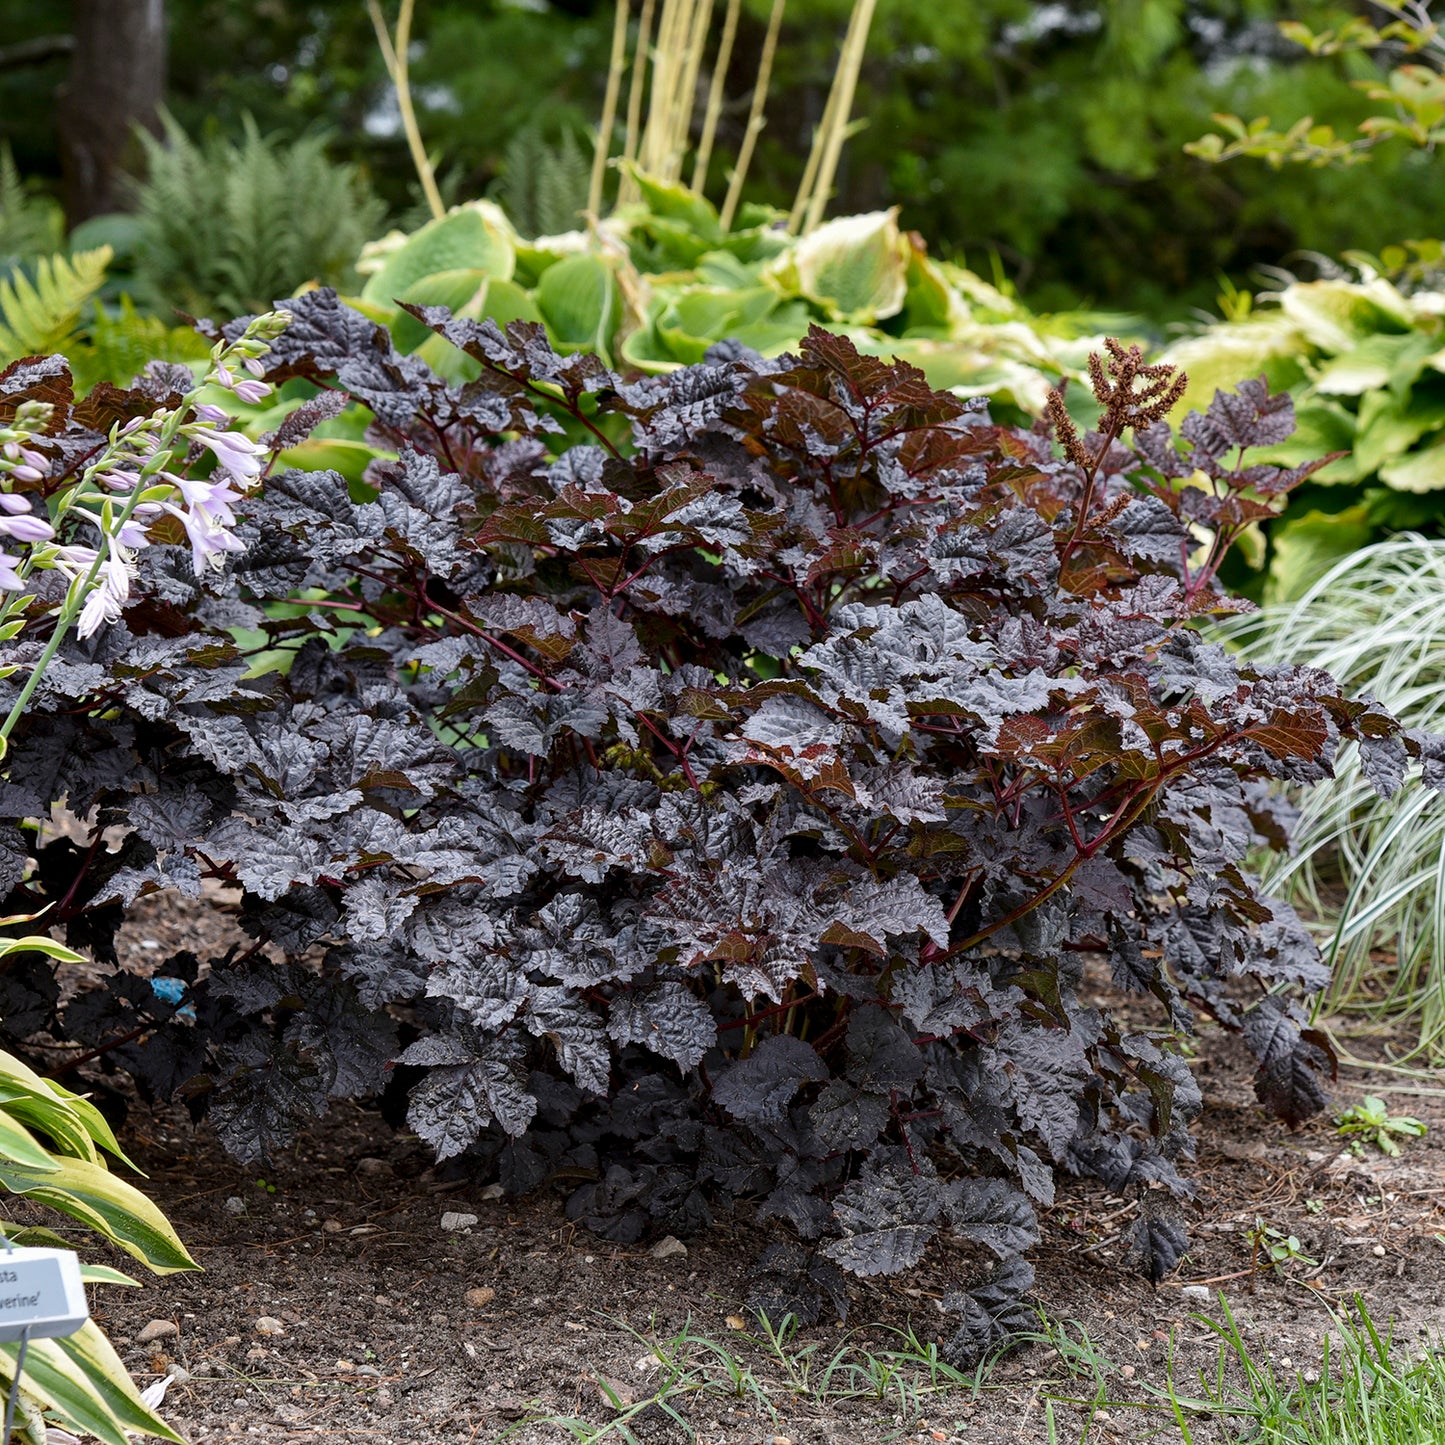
[30,225]
[229,227]
[120,343]
[41,315]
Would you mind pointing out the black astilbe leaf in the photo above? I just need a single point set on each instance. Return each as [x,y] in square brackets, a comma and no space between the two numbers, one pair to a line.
[759,1088]
[699,788]
[886,1223]
[668,1019]
[797,1283]
[992,1213]
[989,1313]
[1157,1240]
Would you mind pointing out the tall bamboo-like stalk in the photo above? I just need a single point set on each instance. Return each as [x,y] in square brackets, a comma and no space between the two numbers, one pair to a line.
[715,97]
[817,187]
[627,189]
[609,106]
[395,55]
[756,118]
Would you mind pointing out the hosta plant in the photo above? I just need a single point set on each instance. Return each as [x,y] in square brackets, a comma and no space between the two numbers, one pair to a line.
[661,280]
[1365,363]
[704,787]
[51,1144]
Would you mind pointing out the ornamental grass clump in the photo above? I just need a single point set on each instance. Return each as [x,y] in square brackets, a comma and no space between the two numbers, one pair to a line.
[705,787]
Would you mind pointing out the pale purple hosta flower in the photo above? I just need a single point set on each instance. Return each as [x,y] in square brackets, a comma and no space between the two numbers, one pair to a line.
[73,559]
[10,579]
[132,536]
[253,393]
[9,502]
[237,454]
[209,545]
[107,597]
[100,608]
[212,415]
[27,528]
[207,518]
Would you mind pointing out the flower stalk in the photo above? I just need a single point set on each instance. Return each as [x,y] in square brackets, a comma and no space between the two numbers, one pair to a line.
[129,485]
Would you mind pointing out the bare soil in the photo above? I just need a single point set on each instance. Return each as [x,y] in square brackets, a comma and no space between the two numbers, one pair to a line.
[342,1244]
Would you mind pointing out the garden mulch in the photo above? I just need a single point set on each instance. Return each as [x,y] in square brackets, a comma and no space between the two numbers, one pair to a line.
[340,1244]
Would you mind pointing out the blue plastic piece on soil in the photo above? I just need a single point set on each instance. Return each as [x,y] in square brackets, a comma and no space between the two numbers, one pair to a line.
[172,991]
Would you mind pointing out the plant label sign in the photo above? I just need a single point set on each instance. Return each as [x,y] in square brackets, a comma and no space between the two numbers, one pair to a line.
[41,1291]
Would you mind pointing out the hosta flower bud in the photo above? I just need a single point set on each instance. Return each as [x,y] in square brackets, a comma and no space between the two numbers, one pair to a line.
[26,529]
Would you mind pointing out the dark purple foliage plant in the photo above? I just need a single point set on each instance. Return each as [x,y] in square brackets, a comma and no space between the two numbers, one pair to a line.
[705,787]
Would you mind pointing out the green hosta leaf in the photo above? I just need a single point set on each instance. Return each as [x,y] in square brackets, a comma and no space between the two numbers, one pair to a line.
[1377,362]
[674,202]
[1305,547]
[578,301]
[1337,315]
[725,271]
[932,306]
[1390,425]
[92,1194]
[1422,471]
[474,237]
[458,291]
[536,256]
[333,454]
[854,269]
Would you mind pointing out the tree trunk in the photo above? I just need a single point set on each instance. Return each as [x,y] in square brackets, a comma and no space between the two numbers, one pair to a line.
[117,81]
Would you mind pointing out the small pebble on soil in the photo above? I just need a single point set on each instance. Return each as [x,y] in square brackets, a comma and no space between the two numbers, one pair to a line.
[157,1330]
[453,1221]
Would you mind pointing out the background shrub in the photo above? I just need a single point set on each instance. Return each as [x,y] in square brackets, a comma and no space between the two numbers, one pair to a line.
[709,786]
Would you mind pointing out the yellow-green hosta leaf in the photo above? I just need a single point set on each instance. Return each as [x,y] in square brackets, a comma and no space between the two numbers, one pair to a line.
[104,1274]
[1422,471]
[476,236]
[89,1350]
[578,301]
[94,1122]
[26,1096]
[958,367]
[39,943]
[1337,315]
[118,1210]
[1377,362]
[19,1146]
[1389,425]
[59,1384]
[1304,548]
[854,269]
